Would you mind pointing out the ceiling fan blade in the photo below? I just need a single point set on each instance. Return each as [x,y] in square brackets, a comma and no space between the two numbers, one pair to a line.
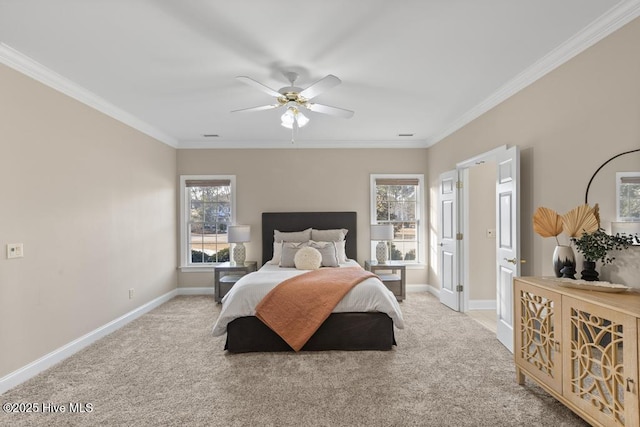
[334,111]
[260,108]
[249,81]
[320,86]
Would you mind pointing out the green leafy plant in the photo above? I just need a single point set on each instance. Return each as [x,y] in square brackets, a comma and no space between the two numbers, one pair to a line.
[597,245]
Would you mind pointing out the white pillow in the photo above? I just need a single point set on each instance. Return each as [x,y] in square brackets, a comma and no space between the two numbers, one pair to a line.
[277,253]
[292,236]
[308,258]
[335,235]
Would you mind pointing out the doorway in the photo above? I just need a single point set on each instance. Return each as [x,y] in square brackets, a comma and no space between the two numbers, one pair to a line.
[506,246]
[480,238]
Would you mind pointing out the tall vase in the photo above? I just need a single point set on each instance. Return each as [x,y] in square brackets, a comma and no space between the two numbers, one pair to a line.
[589,273]
[563,257]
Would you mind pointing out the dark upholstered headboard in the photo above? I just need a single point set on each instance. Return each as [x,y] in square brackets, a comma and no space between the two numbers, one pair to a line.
[297,221]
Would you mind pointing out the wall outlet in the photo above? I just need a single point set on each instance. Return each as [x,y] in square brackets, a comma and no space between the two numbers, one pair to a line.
[15,250]
[131,292]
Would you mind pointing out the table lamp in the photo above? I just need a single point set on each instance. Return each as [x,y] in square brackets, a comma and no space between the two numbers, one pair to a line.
[383,233]
[239,234]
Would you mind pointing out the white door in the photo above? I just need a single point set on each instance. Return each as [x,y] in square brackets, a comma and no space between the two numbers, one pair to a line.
[508,242]
[447,244]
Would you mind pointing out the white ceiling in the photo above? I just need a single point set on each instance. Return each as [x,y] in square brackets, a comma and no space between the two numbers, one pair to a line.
[425,67]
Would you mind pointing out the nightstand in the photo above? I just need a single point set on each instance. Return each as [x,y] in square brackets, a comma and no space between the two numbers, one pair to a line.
[388,274]
[227,274]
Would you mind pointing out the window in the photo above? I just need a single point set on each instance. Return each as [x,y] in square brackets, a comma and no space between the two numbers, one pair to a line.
[397,200]
[207,208]
[628,196]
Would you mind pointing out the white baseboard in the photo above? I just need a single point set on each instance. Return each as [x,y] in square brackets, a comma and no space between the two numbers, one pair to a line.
[433,291]
[482,304]
[45,362]
[417,288]
[196,291]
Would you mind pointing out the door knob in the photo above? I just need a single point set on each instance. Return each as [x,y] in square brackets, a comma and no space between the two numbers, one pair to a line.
[515,260]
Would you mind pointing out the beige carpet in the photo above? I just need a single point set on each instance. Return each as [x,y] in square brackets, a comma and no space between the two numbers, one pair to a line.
[166,369]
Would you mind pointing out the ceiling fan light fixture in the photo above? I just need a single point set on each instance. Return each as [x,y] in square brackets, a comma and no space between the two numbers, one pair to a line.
[293,98]
[287,118]
[293,115]
[302,119]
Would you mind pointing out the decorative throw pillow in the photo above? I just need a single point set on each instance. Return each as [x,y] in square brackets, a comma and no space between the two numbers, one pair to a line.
[289,250]
[335,235]
[327,251]
[341,251]
[308,258]
[292,236]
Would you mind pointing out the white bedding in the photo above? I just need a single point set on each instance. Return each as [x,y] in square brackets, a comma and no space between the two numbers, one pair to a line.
[242,299]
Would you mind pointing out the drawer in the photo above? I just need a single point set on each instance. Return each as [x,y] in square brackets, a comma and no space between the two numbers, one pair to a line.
[225,287]
[394,286]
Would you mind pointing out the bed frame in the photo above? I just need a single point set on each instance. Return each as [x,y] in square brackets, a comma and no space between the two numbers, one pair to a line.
[341,331]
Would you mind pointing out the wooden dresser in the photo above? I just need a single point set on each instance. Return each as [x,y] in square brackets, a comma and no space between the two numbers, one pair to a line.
[581,346]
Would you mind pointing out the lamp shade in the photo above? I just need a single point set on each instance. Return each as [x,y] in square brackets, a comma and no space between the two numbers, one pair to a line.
[381,232]
[293,115]
[239,233]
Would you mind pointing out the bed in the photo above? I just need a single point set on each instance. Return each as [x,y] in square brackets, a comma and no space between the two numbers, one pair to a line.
[357,323]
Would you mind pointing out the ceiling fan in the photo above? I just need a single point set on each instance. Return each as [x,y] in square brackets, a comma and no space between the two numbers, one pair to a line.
[294,98]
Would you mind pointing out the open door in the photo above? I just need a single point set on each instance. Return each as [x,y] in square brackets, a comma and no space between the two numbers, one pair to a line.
[508,240]
[447,244]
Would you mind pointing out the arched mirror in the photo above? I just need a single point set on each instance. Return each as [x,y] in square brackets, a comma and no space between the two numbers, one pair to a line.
[615,186]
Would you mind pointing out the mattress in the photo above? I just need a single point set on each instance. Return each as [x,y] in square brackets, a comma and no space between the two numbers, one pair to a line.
[370,296]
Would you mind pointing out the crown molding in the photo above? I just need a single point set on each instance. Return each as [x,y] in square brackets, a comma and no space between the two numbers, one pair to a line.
[25,65]
[617,17]
[300,144]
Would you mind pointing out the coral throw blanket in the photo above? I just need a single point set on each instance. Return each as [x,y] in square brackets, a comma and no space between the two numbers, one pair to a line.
[297,307]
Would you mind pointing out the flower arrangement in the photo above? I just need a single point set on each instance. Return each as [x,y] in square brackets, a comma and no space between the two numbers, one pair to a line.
[582,225]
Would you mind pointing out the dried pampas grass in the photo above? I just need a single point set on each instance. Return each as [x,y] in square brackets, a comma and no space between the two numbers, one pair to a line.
[547,222]
[580,220]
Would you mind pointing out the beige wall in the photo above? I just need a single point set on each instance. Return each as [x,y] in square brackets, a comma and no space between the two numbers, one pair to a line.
[93,202]
[482,217]
[300,180]
[566,125]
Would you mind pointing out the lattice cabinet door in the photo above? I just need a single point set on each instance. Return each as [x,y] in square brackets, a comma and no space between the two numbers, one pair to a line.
[601,370]
[537,334]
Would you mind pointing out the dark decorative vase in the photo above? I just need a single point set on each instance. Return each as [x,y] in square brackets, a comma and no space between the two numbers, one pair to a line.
[563,257]
[568,271]
[589,272]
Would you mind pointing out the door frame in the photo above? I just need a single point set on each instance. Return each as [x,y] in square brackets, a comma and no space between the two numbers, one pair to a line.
[463,219]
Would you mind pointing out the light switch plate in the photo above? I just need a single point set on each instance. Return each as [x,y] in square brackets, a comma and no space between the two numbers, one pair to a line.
[15,250]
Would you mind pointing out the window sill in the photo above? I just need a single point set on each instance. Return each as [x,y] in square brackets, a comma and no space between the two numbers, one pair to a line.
[197,269]
[408,266]
[416,266]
